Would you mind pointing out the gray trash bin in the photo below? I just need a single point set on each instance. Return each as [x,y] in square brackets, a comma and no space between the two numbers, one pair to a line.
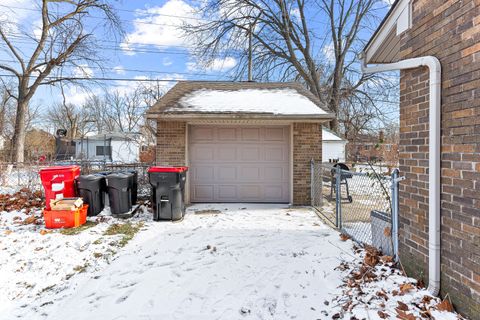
[119,192]
[168,184]
[92,189]
[134,185]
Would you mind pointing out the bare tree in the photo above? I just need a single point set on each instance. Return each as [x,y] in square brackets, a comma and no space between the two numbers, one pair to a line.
[65,41]
[286,46]
[74,119]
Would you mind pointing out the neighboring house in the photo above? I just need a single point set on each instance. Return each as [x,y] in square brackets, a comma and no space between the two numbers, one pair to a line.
[439,154]
[243,142]
[333,146]
[373,148]
[111,147]
[39,144]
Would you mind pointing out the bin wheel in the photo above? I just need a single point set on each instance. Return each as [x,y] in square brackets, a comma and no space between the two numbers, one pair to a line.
[350,199]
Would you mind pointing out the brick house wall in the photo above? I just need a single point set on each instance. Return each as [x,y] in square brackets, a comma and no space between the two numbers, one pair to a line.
[171,143]
[450,31]
[307,145]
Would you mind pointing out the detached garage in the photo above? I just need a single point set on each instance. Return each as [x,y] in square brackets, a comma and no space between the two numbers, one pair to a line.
[243,142]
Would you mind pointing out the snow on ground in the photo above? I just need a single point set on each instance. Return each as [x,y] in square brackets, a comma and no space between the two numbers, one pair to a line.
[243,261]
[36,262]
[223,261]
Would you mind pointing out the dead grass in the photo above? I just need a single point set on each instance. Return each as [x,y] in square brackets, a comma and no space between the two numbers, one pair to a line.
[77,230]
[128,230]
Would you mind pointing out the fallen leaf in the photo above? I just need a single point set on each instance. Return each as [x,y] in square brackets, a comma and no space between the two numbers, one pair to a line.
[426,299]
[44,232]
[382,315]
[370,260]
[404,288]
[445,305]
[7,232]
[402,306]
[402,315]
[344,237]
[387,232]
[386,259]
[29,220]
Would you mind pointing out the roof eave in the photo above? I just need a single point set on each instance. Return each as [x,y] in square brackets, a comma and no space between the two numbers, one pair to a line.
[243,116]
[383,46]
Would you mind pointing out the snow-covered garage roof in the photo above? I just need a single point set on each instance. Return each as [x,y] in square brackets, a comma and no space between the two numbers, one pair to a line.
[329,135]
[239,99]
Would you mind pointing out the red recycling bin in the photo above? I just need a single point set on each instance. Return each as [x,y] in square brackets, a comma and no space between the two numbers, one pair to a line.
[59,182]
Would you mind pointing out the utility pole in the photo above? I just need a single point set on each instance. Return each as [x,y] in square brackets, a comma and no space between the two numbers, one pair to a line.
[250,78]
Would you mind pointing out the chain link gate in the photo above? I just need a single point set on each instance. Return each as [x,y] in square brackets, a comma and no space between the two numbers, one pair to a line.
[362,203]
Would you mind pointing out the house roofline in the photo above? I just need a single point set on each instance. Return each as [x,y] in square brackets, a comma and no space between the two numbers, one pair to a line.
[242,116]
[182,88]
[380,26]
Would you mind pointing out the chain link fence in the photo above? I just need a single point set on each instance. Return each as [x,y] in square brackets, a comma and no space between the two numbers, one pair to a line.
[14,177]
[358,201]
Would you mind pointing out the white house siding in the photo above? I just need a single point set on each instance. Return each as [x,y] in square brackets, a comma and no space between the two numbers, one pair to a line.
[125,151]
[122,151]
[333,150]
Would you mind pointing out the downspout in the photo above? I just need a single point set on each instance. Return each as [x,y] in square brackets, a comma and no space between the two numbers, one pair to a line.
[434,68]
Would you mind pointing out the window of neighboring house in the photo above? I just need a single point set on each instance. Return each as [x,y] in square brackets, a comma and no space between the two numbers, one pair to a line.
[104,151]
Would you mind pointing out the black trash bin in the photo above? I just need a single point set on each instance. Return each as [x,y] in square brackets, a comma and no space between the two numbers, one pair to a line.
[134,185]
[168,184]
[92,189]
[119,192]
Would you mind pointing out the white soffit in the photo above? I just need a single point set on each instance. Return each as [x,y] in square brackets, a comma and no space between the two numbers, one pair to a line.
[385,44]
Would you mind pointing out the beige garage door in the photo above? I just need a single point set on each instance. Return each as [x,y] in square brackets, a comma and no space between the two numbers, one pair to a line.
[239,164]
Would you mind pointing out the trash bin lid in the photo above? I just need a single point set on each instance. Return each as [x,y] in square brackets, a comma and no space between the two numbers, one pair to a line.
[167,169]
[60,168]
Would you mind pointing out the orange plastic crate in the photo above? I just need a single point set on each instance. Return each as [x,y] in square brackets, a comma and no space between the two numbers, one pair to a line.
[65,218]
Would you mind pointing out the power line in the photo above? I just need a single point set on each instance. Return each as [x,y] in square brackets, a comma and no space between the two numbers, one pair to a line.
[137,70]
[231,52]
[51,78]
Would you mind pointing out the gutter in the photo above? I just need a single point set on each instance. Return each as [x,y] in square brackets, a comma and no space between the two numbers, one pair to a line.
[434,68]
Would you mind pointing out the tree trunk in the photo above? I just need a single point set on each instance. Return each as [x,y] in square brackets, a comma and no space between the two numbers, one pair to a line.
[18,141]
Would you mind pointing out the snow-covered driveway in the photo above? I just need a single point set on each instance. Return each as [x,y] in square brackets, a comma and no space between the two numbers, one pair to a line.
[243,262]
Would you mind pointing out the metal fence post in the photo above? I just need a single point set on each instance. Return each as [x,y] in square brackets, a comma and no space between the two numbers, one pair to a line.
[395,211]
[312,183]
[338,197]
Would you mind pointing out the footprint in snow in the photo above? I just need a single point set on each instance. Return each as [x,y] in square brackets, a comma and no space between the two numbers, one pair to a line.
[124,297]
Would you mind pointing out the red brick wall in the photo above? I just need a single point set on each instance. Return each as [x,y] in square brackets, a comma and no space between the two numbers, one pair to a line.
[449,30]
[307,145]
[171,143]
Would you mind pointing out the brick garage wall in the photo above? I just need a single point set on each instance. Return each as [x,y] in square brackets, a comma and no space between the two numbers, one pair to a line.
[307,145]
[170,149]
[449,30]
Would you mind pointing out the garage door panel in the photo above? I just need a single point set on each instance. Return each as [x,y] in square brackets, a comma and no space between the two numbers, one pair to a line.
[250,173]
[227,134]
[202,134]
[227,153]
[273,193]
[277,153]
[202,173]
[250,134]
[203,152]
[203,192]
[227,173]
[248,153]
[275,173]
[275,134]
[227,192]
[239,164]
[250,192]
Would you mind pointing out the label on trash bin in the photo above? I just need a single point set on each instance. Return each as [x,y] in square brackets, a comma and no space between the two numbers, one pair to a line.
[58,186]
